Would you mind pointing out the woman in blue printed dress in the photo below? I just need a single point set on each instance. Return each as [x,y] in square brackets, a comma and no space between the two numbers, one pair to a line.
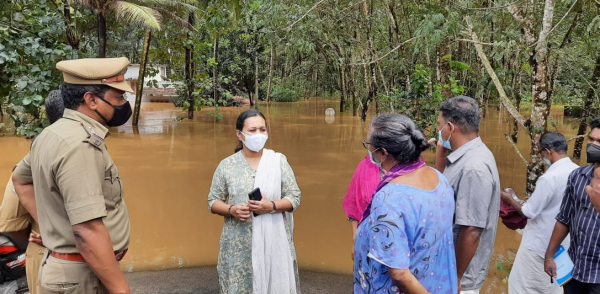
[404,242]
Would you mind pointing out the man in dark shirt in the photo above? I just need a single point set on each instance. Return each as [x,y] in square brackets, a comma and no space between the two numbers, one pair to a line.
[578,217]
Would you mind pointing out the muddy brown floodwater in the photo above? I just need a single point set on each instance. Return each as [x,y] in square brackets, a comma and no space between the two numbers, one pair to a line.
[167,168]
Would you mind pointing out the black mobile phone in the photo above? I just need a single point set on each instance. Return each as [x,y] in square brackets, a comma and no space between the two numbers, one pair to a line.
[255,195]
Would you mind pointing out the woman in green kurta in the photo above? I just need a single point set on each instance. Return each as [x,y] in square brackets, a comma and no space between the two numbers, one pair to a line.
[234,178]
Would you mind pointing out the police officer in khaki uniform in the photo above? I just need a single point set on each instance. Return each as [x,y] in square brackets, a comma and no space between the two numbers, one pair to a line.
[15,220]
[78,192]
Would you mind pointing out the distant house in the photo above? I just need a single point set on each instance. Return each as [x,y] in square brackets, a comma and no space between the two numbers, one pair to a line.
[165,89]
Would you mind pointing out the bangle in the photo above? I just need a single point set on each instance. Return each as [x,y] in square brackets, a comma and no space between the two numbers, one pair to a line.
[548,259]
[229,210]
[274,207]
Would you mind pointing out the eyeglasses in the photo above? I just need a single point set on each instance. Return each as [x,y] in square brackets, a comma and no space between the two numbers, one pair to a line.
[367,144]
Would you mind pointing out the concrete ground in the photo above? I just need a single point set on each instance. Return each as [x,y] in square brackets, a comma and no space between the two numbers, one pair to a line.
[204,280]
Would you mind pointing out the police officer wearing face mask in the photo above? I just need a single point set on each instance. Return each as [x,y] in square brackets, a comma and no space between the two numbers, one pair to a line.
[78,191]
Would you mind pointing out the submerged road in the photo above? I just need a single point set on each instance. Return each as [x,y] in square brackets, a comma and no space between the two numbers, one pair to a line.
[204,280]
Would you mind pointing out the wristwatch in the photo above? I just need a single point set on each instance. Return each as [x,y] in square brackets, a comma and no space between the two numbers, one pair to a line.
[274,208]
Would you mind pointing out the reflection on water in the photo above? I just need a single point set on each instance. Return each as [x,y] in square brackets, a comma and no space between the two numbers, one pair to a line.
[167,168]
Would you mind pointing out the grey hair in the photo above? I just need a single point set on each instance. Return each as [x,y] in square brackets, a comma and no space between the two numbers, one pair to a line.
[54,106]
[399,136]
[462,111]
[554,141]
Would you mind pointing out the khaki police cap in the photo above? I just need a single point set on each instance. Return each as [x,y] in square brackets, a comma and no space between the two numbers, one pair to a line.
[96,71]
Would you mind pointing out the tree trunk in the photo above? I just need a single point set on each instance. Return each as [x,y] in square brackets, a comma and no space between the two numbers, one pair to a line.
[270,73]
[189,71]
[517,90]
[314,83]
[352,89]
[72,37]
[140,84]
[101,35]
[587,107]
[385,87]
[443,67]
[255,79]
[370,78]
[216,70]
[539,96]
[342,88]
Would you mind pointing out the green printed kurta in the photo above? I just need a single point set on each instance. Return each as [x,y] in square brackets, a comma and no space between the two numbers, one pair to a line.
[232,181]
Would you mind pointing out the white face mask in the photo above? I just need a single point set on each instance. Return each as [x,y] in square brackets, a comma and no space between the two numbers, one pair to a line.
[255,142]
[546,161]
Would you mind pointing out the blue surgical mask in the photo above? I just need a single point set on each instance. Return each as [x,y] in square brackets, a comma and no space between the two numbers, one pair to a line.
[378,164]
[445,143]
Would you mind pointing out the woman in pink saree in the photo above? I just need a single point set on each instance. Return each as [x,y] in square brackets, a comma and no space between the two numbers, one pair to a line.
[360,191]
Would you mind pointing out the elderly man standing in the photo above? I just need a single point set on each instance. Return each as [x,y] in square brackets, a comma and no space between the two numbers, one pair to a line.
[472,172]
[527,275]
[78,191]
[578,218]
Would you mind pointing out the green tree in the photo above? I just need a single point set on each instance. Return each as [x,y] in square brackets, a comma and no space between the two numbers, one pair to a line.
[32,42]
[144,13]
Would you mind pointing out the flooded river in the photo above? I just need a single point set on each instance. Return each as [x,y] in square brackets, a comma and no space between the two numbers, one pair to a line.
[167,167]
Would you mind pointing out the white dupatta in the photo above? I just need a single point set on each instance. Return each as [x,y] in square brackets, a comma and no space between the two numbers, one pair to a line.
[272,264]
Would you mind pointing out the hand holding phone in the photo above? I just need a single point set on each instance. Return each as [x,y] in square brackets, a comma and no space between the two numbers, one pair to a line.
[256,196]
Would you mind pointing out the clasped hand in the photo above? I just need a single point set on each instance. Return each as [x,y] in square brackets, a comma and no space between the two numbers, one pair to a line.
[260,207]
[241,211]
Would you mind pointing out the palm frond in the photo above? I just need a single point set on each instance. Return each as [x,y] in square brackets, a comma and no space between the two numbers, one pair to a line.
[178,20]
[138,15]
[91,4]
[185,6]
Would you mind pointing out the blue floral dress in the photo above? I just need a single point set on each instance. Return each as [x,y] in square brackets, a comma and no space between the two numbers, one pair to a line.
[407,228]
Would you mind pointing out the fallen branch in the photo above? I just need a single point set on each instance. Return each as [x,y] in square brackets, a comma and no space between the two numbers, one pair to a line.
[516,149]
[471,41]
[486,63]
[298,20]
[384,55]
[485,8]
[577,137]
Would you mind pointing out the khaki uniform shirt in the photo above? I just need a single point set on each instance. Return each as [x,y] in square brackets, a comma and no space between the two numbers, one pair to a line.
[76,181]
[13,216]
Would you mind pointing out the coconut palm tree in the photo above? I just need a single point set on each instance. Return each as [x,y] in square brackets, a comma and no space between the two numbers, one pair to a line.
[145,13]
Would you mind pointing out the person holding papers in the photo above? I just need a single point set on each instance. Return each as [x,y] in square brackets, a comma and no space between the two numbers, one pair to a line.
[527,275]
[578,217]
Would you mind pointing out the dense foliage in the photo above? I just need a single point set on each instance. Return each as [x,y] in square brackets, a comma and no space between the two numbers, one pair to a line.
[403,56]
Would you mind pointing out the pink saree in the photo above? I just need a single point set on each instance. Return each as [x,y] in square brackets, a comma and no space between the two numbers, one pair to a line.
[361,189]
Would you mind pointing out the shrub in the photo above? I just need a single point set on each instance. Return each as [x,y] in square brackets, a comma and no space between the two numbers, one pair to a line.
[280,94]
[178,101]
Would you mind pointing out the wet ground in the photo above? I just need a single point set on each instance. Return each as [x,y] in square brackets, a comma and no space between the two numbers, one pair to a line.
[204,281]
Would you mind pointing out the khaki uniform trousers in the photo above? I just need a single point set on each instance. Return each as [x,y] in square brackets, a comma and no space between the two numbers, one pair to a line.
[58,276]
[33,255]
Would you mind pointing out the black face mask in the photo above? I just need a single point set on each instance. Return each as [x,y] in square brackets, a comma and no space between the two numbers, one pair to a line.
[121,114]
[593,153]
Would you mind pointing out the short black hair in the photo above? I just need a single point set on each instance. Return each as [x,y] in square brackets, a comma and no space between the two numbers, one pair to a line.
[72,94]
[54,106]
[462,111]
[554,141]
[399,136]
[595,123]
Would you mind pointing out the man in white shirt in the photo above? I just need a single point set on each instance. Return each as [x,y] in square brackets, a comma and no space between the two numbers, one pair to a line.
[527,275]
